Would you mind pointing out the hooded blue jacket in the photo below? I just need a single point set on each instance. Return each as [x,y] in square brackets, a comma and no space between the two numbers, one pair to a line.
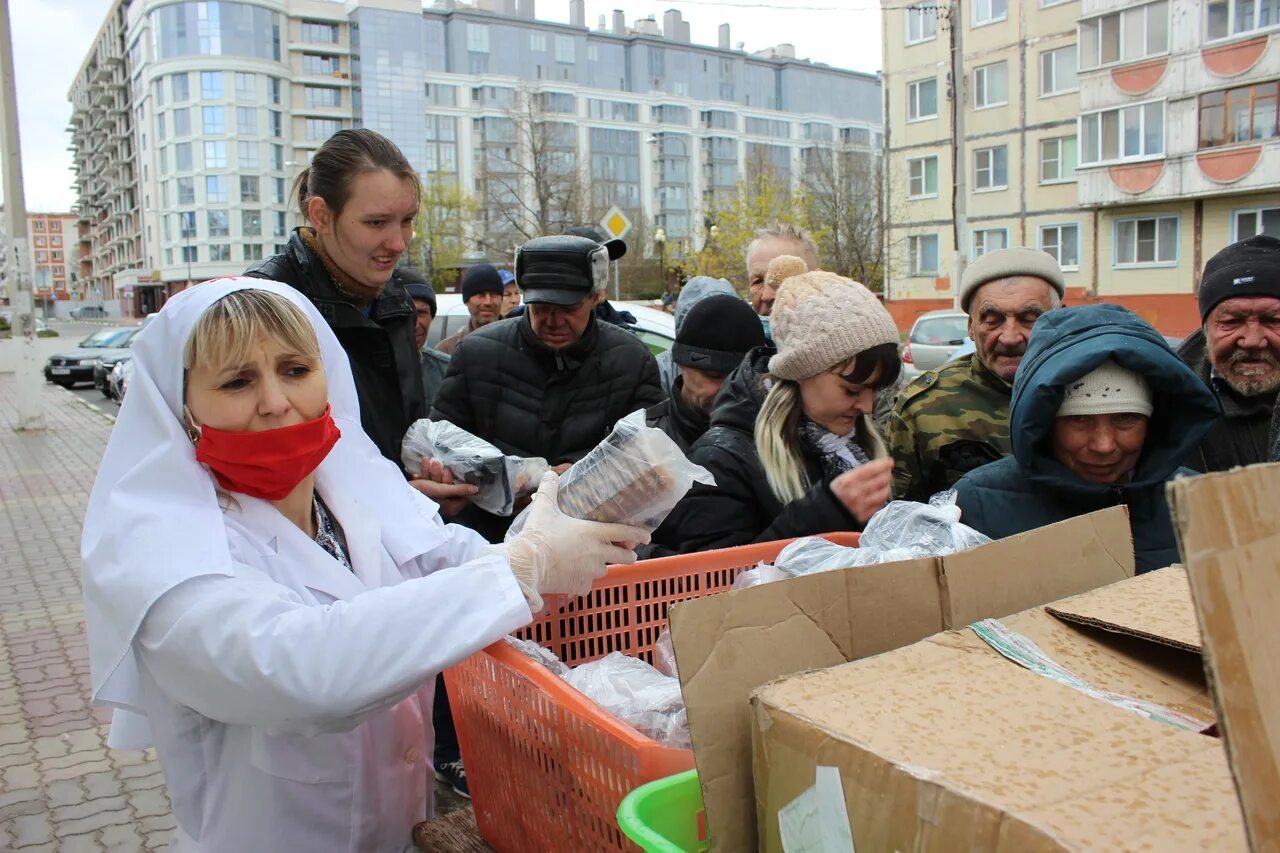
[1032,488]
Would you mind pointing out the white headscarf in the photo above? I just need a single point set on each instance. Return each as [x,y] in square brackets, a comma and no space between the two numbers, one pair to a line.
[154,519]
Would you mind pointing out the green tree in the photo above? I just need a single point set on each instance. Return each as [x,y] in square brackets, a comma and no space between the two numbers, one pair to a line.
[761,197]
[445,216]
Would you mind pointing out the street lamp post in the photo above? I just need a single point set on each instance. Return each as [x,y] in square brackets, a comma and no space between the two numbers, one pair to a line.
[660,241]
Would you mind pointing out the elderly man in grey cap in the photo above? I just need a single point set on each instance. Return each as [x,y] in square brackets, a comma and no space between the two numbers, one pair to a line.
[956,418]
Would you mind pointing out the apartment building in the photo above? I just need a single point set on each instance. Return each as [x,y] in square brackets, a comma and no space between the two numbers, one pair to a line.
[1131,140]
[214,107]
[55,250]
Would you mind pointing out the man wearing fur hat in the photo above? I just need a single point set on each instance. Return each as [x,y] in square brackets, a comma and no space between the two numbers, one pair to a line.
[953,419]
[1237,351]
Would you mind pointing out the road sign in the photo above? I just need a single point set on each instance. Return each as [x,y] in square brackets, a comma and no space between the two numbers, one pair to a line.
[615,223]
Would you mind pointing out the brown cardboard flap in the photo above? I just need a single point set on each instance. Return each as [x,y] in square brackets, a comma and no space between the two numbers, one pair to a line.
[944,744]
[1229,529]
[728,645]
[1155,606]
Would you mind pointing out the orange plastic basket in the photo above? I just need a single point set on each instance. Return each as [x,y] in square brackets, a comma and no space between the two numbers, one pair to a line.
[547,768]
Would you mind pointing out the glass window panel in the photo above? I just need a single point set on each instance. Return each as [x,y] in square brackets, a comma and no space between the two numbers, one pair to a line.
[1153,129]
[1168,239]
[1110,38]
[1110,135]
[1157,29]
[1126,241]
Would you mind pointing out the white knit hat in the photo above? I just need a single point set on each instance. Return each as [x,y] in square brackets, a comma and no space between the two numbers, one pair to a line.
[820,320]
[1108,390]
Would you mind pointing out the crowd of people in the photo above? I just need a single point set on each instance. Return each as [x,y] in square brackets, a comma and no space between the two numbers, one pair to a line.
[279,647]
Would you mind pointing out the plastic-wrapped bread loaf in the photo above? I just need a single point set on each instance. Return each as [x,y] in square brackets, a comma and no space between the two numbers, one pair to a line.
[502,480]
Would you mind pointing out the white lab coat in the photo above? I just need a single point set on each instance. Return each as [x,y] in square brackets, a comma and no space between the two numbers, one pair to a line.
[288,698]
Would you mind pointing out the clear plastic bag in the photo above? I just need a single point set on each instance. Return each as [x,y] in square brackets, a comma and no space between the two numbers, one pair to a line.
[762,573]
[635,476]
[636,693]
[543,656]
[502,480]
[664,655]
[903,530]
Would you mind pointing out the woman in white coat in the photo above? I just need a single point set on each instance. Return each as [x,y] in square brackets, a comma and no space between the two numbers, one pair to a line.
[265,595]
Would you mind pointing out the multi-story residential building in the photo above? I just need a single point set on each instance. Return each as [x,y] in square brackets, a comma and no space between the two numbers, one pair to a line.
[55,254]
[1131,140]
[224,102]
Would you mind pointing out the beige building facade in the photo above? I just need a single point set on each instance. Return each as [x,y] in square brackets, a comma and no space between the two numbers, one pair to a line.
[1130,140]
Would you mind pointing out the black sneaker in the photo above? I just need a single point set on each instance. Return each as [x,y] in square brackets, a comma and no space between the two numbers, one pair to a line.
[453,774]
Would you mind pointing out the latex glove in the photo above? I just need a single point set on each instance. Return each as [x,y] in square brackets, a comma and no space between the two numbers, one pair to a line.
[556,553]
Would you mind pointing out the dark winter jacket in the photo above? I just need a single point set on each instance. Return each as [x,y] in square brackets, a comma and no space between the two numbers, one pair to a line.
[1239,436]
[741,507]
[1274,454]
[384,356]
[677,418]
[507,387]
[1032,488]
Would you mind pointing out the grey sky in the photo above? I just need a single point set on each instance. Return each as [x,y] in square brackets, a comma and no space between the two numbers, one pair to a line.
[51,38]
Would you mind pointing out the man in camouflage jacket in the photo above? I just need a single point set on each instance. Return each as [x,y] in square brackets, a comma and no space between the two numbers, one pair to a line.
[952,420]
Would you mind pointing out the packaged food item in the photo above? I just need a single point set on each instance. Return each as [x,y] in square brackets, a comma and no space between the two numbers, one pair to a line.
[502,480]
[636,693]
[635,476]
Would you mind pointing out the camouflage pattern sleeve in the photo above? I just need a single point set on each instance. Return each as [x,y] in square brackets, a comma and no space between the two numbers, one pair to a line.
[886,398]
[901,438]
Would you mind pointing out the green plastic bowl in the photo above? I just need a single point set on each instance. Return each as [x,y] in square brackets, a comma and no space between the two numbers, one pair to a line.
[666,816]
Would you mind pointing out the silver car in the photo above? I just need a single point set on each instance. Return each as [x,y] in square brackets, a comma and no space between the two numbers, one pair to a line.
[934,337]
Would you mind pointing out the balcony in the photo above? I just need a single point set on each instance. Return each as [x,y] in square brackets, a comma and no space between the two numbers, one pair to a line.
[1224,170]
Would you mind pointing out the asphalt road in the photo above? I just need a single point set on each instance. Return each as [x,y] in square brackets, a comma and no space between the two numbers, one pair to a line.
[70,333]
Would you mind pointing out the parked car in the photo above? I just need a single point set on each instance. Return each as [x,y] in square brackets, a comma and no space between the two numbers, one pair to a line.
[103,371]
[657,329]
[69,368]
[118,379]
[89,312]
[451,317]
[934,337]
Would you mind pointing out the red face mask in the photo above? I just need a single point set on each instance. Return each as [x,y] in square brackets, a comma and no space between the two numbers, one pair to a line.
[271,463]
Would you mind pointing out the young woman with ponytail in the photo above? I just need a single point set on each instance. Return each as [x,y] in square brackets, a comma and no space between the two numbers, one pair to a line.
[792,444]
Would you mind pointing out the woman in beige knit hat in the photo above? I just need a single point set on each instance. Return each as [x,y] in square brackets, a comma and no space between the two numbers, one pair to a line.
[791,445]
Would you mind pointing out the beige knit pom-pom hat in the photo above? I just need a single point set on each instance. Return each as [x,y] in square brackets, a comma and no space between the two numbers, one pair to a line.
[782,268]
[820,320]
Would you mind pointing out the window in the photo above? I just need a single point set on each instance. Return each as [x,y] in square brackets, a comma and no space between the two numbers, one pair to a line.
[190,254]
[187,223]
[557,102]
[566,51]
[991,85]
[1227,18]
[253,251]
[538,42]
[989,11]
[251,223]
[215,155]
[275,89]
[1057,159]
[1122,134]
[991,168]
[246,120]
[922,23]
[672,114]
[160,128]
[923,180]
[213,120]
[277,195]
[1243,114]
[989,240]
[1063,242]
[1058,71]
[247,154]
[323,96]
[186,190]
[182,122]
[182,157]
[314,31]
[219,223]
[478,38]
[1251,223]
[250,188]
[246,86]
[277,157]
[220,252]
[1147,241]
[215,189]
[1125,36]
[211,85]
[316,65]
[276,119]
[922,99]
[162,162]
[320,129]
[181,88]
[280,229]
[923,255]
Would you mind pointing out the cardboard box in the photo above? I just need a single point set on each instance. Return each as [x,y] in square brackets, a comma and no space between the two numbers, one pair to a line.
[950,744]
[1229,530]
[728,645]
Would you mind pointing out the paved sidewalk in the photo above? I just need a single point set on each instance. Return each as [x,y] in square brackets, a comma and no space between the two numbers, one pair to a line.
[60,787]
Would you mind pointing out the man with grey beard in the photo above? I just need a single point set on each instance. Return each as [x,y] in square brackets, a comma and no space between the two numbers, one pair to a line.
[1237,351]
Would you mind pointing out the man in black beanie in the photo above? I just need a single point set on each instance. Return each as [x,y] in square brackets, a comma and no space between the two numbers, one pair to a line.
[1237,351]
[482,287]
[715,336]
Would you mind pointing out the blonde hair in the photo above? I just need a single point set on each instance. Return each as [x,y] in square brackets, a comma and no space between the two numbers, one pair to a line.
[229,327]
[777,432]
